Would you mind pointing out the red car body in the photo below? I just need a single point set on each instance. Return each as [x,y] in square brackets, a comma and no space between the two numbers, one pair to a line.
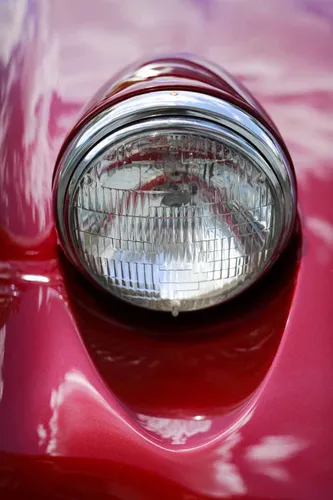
[100,400]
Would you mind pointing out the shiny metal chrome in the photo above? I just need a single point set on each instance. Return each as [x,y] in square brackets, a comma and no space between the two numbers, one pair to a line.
[181,111]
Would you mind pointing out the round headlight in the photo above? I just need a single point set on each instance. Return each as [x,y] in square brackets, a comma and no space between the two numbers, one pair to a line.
[174,201]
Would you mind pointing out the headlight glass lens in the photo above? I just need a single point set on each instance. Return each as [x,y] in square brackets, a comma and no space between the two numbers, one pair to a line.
[174,220]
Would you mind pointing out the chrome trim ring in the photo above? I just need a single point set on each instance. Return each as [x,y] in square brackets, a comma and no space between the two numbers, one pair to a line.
[183,110]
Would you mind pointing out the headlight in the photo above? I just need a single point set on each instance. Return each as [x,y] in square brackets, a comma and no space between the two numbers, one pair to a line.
[174,201]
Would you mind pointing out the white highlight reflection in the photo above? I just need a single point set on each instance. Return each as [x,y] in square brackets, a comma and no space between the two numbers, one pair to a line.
[42,434]
[226,473]
[12,16]
[35,278]
[73,380]
[269,455]
[321,228]
[176,430]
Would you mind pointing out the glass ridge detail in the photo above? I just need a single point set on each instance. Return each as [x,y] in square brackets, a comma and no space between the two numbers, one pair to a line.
[172,221]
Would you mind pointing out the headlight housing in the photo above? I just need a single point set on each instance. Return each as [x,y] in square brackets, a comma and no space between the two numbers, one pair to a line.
[174,200]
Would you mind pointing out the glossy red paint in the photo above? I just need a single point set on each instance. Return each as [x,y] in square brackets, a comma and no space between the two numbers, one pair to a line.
[74,424]
[204,366]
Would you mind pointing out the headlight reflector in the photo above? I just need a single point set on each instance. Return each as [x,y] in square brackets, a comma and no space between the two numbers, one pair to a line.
[173,213]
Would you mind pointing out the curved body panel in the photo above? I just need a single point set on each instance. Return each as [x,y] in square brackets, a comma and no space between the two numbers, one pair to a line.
[94,404]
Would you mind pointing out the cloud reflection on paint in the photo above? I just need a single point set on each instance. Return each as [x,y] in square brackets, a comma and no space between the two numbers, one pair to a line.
[322,229]
[269,456]
[59,57]
[175,430]
[73,381]
[12,15]
[227,474]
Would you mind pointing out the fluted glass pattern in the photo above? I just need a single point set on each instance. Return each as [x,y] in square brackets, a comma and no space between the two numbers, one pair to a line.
[174,221]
